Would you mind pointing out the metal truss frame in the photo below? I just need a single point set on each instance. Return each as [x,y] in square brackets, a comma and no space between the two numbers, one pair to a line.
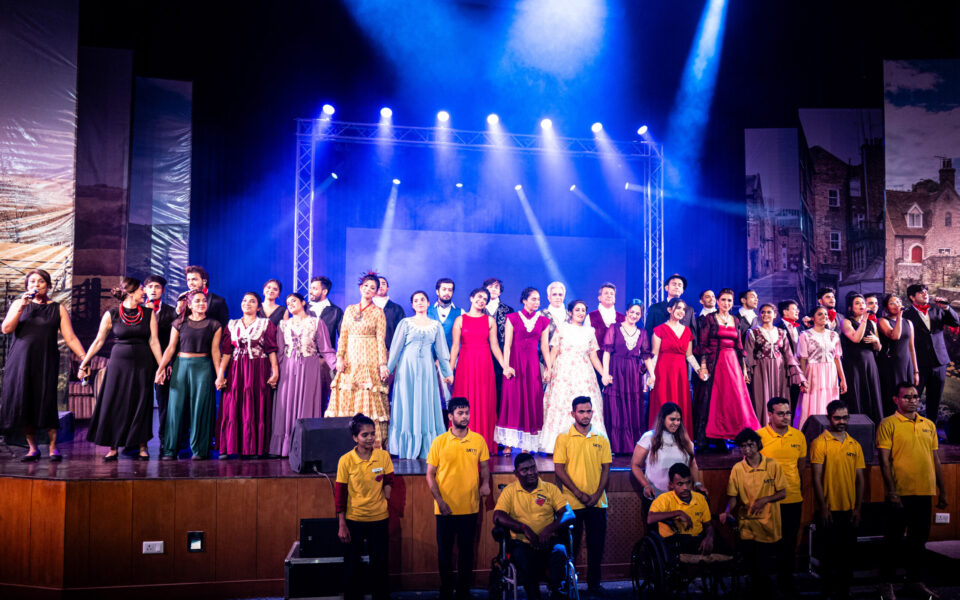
[311,131]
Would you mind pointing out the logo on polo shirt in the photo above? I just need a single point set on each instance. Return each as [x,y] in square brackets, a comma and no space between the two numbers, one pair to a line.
[471,450]
[795,445]
[769,480]
[541,499]
[597,445]
[852,454]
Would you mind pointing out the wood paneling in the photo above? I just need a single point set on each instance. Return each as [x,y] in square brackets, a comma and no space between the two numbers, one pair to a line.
[15,504]
[236,538]
[315,498]
[111,517]
[47,510]
[154,505]
[196,510]
[277,524]
[76,536]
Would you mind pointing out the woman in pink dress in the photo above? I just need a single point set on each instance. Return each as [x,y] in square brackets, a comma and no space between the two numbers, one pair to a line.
[672,353]
[521,410]
[819,352]
[474,340]
[721,363]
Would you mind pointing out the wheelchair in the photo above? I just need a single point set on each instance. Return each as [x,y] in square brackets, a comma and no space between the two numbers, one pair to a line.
[504,583]
[658,569]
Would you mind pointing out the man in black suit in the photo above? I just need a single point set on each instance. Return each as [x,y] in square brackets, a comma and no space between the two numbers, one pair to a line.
[789,321]
[154,286]
[324,309]
[657,313]
[747,313]
[827,298]
[499,311]
[932,357]
[393,311]
[198,280]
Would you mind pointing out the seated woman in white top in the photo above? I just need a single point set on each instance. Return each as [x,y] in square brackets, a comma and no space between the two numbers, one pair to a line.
[660,449]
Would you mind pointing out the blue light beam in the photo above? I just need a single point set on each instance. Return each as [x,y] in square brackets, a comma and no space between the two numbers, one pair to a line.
[386,230]
[539,237]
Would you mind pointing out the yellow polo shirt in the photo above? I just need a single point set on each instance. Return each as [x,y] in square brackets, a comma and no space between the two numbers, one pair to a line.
[840,462]
[535,509]
[911,445]
[787,450]
[748,484]
[364,481]
[458,466]
[584,457]
[697,509]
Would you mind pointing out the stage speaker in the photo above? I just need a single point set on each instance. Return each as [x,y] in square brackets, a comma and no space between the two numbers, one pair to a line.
[320,443]
[860,427]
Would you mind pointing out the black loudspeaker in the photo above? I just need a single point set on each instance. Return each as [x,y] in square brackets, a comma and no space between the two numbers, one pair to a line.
[860,427]
[320,443]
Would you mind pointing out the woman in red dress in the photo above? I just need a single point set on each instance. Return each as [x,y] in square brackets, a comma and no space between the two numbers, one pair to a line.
[474,340]
[672,352]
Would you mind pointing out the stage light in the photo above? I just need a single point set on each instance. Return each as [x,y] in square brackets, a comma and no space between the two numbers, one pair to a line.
[546,124]
[573,187]
[396,182]
[459,185]
[443,116]
[386,113]
[334,175]
[626,186]
[518,187]
[642,130]
[492,119]
[328,110]
[596,127]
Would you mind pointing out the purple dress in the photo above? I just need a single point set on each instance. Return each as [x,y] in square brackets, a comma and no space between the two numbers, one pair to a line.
[772,367]
[521,412]
[306,360]
[243,425]
[623,399]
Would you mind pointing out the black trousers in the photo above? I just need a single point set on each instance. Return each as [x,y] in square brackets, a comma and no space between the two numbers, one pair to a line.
[376,534]
[759,558]
[787,546]
[531,562]
[914,519]
[462,531]
[932,380]
[595,520]
[838,542]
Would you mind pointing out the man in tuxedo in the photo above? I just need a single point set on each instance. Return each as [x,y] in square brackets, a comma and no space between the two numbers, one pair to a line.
[827,298]
[747,313]
[657,314]
[606,314]
[789,321]
[873,303]
[198,280]
[322,308]
[393,311]
[932,357]
[499,311]
[443,310]
[154,286]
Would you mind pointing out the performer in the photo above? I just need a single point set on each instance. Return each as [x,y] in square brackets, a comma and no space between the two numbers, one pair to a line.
[606,314]
[454,460]
[574,361]
[192,389]
[499,311]
[860,343]
[788,447]
[270,309]
[827,298]
[123,415]
[721,362]
[626,357]
[305,358]
[582,463]
[362,362]
[748,312]
[790,323]
[392,311]
[771,365]
[708,304]
[912,475]
[897,360]
[838,465]
[533,511]
[474,340]
[198,280]
[658,314]
[872,300]
[667,444]
[555,311]
[29,395]
[416,416]
[819,352]
[154,286]
[521,413]
[671,356]
[364,483]
[932,357]
[321,307]
[689,513]
[444,310]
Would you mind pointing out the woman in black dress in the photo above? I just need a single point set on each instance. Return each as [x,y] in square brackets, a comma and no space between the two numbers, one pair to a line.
[29,398]
[269,309]
[898,358]
[124,412]
[860,341]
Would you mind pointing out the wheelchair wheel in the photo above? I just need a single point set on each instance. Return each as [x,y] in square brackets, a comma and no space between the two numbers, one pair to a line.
[497,587]
[571,582]
[648,570]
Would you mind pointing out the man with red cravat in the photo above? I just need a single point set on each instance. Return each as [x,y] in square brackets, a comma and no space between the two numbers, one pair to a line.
[932,358]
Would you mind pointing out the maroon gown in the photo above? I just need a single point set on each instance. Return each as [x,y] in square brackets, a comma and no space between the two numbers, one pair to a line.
[672,383]
[246,406]
[473,379]
[623,398]
[521,410]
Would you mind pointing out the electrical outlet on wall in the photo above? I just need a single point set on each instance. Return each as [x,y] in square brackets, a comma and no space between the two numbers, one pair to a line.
[153,547]
[943,518]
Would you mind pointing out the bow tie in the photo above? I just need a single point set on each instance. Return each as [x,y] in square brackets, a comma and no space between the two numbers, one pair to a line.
[832,314]
[154,304]
[872,317]
[922,308]
[791,321]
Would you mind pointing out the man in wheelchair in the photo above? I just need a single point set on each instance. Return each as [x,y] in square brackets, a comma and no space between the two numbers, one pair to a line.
[682,514]
[536,513]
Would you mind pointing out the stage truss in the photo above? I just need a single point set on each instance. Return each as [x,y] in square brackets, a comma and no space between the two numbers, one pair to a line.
[648,155]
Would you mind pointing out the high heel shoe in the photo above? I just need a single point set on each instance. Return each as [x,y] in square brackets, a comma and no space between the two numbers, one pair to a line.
[111,457]
[31,456]
[55,456]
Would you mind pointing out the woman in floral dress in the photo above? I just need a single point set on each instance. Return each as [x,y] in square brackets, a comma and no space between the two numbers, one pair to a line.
[819,352]
[770,363]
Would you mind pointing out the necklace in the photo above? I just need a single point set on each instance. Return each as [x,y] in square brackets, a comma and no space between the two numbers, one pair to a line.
[131,321]
[725,320]
[359,316]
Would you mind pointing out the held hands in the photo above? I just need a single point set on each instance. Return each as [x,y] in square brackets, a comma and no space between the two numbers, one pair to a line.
[651,381]
[704,374]
[606,379]
[746,378]
[341,364]
[448,380]
[221,382]
[803,387]
[548,374]
[83,371]
[274,376]
[509,372]
[160,377]
[384,373]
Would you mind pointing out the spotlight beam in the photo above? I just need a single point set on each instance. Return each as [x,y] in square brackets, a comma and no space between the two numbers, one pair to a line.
[386,230]
[539,237]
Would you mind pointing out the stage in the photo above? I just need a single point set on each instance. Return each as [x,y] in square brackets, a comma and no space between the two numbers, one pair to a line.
[75,529]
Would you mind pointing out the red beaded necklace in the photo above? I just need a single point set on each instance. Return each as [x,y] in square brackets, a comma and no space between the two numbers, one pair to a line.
[132,321]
